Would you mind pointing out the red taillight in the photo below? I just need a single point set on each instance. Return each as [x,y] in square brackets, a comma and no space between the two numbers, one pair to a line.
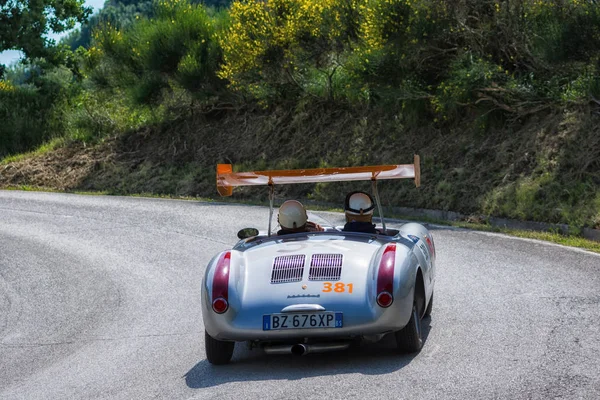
[385,299]
[220,286]
[220,305]
[385,276]
[430,245]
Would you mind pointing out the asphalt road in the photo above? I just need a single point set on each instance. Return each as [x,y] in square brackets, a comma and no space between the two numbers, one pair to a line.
[99,298]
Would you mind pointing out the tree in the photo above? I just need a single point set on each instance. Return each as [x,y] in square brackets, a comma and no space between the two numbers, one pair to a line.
[122,13]
[24,24]
[119,14]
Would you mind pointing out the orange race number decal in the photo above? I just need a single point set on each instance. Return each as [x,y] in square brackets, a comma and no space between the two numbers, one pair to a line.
[338,287]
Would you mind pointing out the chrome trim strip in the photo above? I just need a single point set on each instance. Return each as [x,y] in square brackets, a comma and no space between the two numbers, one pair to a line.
[302,307]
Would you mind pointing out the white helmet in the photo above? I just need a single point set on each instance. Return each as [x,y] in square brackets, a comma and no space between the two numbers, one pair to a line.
[359,203]
[292,215]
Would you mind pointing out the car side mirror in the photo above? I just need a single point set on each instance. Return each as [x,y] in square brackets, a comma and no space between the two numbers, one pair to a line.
[247,232]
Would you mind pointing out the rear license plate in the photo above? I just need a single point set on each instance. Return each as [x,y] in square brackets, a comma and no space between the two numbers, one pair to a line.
[302,321]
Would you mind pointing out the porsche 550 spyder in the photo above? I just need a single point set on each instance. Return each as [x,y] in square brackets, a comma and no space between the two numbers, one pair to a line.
[318,291]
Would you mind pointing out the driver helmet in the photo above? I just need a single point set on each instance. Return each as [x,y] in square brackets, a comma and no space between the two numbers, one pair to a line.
[359,207]
[292,215]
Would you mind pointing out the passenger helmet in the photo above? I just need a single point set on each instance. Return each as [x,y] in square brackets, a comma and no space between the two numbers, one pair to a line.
[292,215]
[359,206]
[359,203]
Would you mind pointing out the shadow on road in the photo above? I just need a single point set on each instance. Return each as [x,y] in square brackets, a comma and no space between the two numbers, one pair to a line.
[255,365]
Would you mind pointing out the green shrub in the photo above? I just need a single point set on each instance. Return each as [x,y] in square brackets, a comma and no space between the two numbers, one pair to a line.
[563,31]
[34,111]
[99,114]
[176,48]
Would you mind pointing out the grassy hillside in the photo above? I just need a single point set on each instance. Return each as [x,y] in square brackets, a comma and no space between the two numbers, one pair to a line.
[535,171]
[497,97]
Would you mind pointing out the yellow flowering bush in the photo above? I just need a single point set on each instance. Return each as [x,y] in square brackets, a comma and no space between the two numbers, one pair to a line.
[6,86]
[276,44]
[109,40]
[403,44]
[409,21]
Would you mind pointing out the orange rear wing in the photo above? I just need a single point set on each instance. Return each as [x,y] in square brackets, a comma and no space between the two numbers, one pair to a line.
[227,179]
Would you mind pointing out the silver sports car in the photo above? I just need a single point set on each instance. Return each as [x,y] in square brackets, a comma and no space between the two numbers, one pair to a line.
[318,291]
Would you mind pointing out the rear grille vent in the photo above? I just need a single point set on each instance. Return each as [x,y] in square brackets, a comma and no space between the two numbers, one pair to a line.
[325,267]
[288,269]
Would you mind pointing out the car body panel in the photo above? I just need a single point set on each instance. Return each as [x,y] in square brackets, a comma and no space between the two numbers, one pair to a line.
[252,294]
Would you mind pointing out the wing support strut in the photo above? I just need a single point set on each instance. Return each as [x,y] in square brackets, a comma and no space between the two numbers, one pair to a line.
[271,198]
[379,208]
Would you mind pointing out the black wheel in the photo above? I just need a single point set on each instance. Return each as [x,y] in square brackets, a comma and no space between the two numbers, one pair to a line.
[410,339]
[429,306]
[218,352]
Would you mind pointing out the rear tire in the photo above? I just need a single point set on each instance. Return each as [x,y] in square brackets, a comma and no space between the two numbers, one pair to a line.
[409,339]
[218,352]
[429,306]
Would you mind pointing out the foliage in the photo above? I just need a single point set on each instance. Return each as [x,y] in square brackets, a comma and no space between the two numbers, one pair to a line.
[121,14]
[281,48]
[118,14]
[499,55]
[25,24]
[544,198]
[216,3]
[34,111]
[97,115]
[176,48]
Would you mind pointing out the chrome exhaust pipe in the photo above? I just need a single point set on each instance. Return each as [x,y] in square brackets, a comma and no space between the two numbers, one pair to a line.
[299,349]
[325,347]
[278,349]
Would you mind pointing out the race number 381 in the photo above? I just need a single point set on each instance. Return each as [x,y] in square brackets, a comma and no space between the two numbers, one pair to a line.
[337,287]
